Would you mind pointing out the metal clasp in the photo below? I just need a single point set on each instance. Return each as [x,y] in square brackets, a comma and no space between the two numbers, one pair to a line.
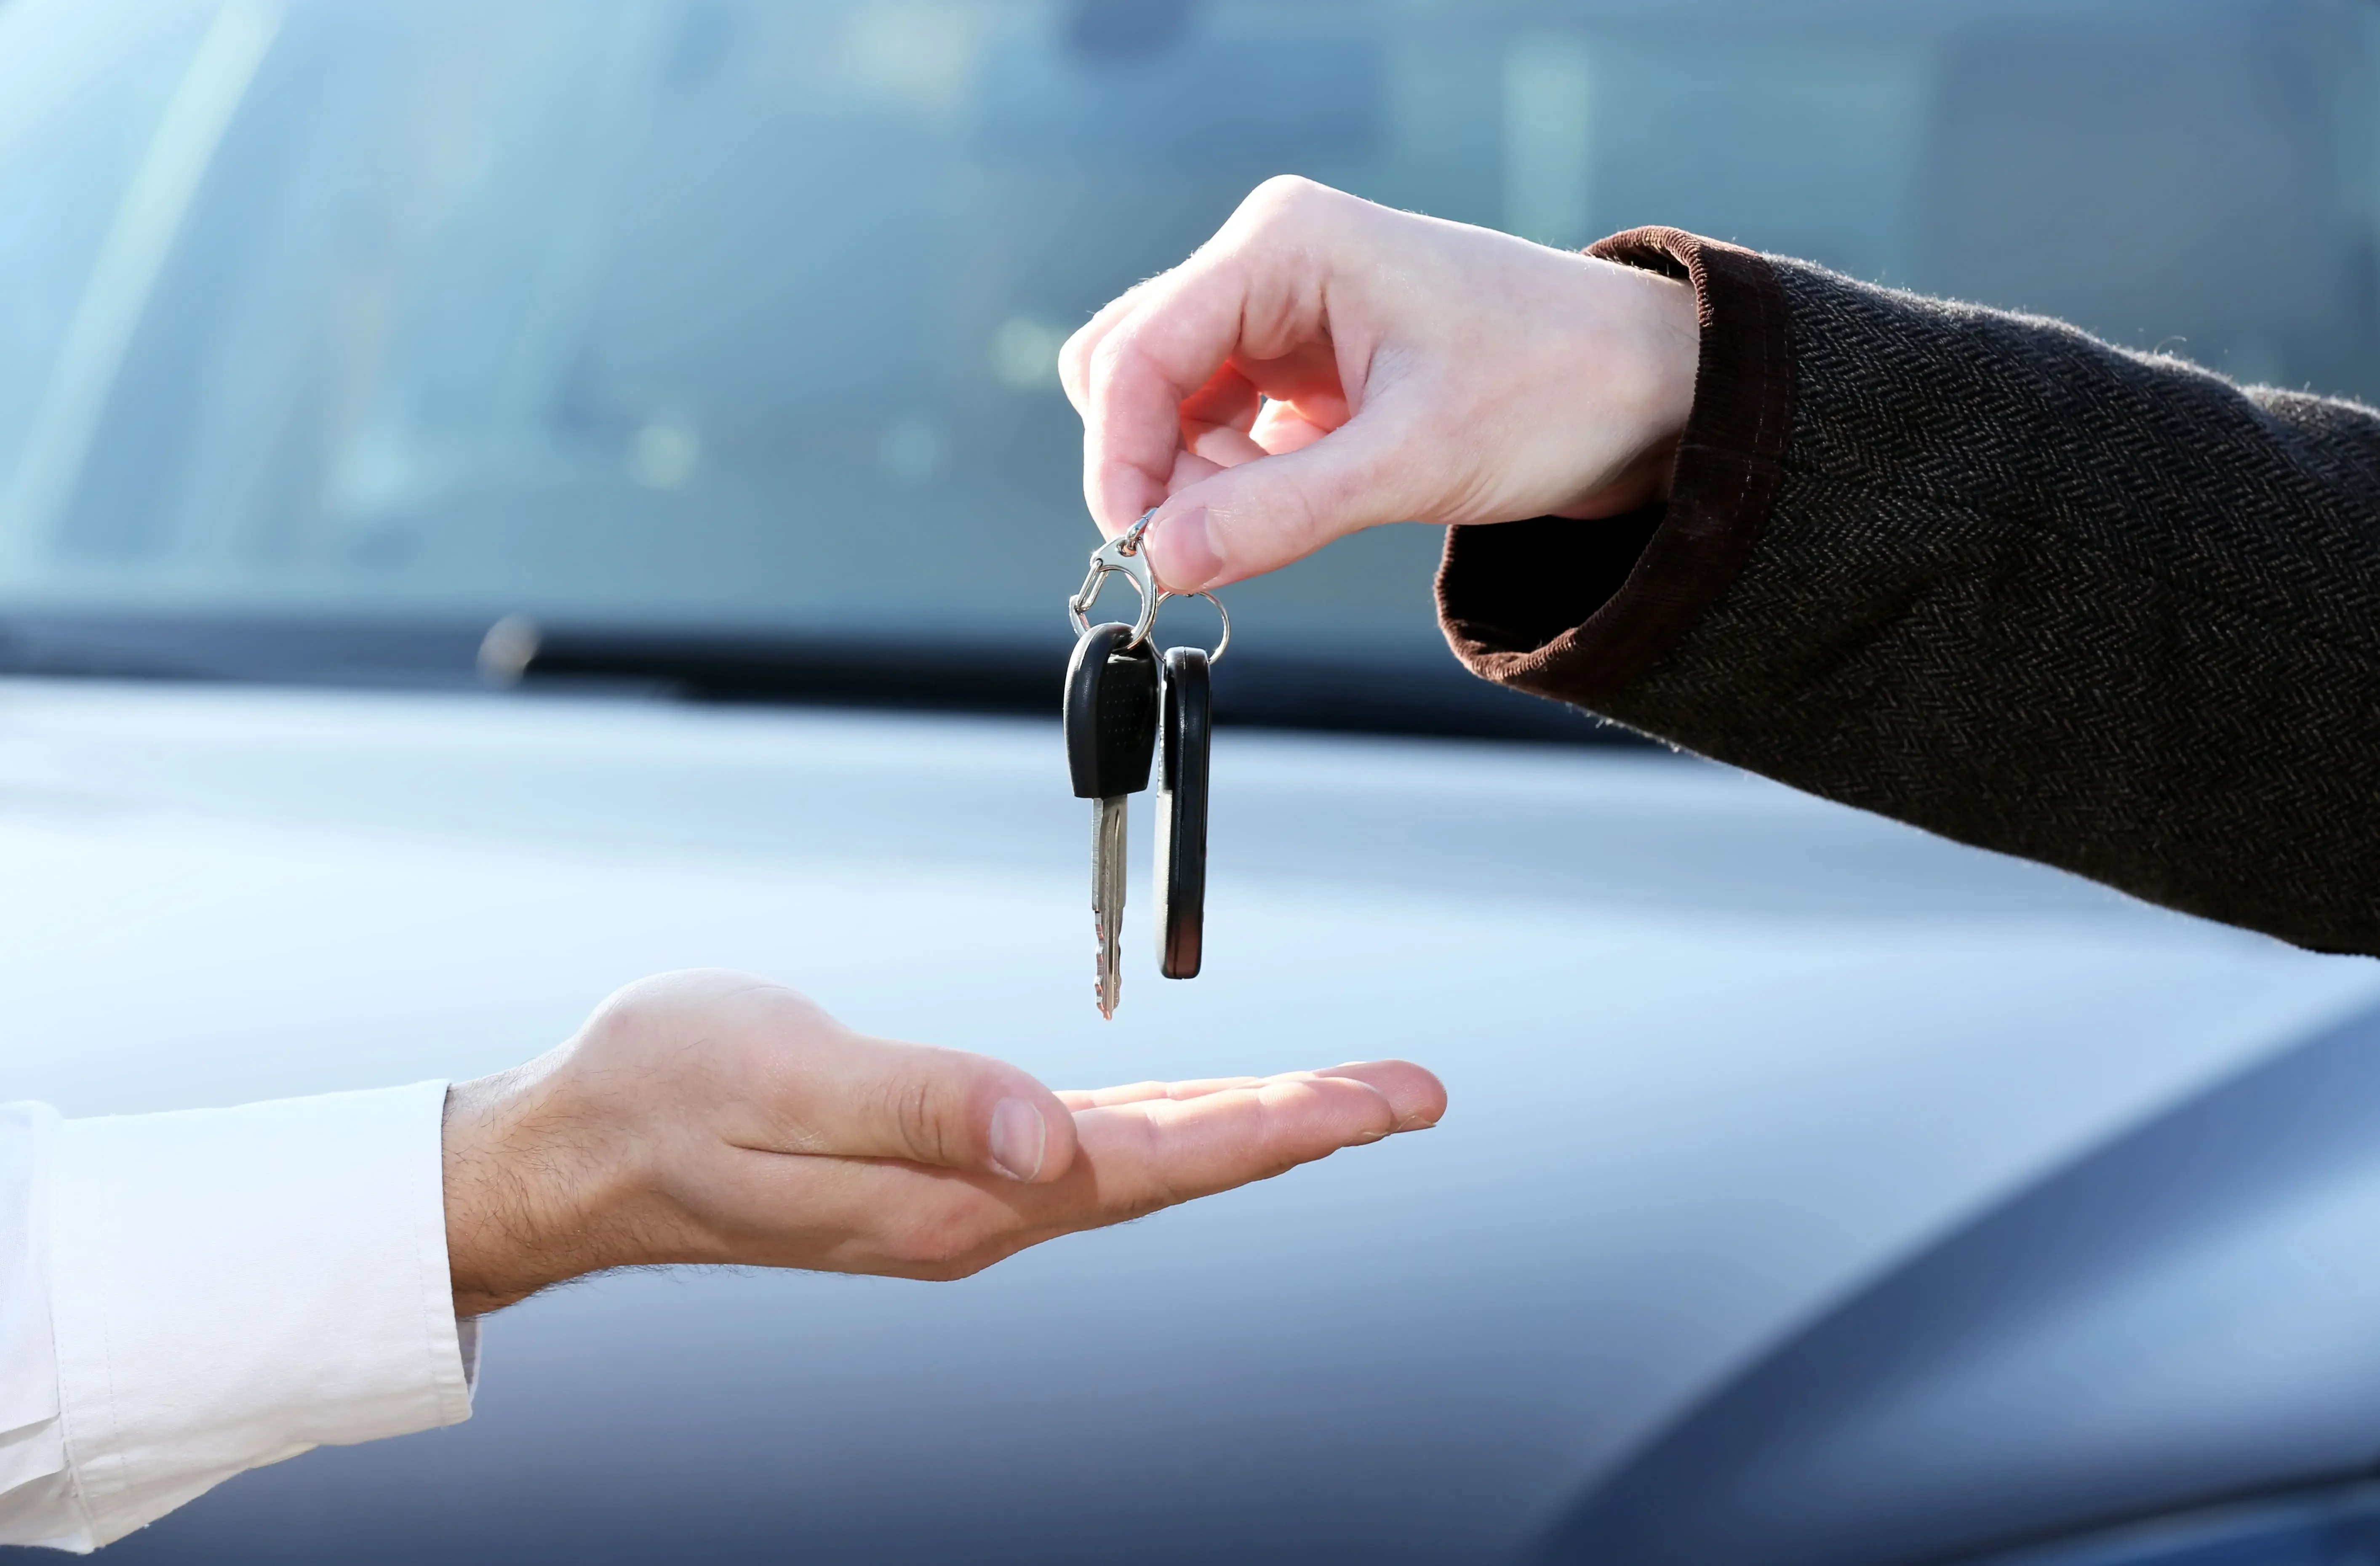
[1122,556]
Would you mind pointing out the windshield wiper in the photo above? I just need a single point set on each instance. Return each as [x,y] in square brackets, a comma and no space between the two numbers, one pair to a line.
[1251,687]
[746,667]
[125,645]
[1256,687]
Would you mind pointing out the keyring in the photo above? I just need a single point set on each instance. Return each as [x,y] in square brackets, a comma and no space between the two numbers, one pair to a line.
[1121,555]
[1217,656]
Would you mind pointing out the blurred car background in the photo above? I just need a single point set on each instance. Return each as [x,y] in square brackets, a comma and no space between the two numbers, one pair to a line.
[502,496]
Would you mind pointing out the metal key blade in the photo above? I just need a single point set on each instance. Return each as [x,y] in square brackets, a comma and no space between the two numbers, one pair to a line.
[1108,817]
[1111,723]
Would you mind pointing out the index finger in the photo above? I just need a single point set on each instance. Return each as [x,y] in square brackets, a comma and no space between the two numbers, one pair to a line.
[1168,341]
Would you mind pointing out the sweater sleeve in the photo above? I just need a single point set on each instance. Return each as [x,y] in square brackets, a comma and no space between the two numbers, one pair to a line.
[1988,576]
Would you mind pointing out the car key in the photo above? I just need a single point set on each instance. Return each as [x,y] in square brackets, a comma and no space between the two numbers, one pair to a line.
[1111,723]
[1186,726]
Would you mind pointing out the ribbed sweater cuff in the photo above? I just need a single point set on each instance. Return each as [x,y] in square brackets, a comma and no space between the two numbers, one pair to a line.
[1578,610]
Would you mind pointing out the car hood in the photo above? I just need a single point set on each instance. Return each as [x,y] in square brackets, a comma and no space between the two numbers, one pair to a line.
[1717,1056]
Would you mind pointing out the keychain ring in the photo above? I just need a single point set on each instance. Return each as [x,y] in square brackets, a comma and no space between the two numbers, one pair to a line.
[1220,647]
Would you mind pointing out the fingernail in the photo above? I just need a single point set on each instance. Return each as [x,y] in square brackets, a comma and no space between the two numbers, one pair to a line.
[1182,550]
[1019,1137]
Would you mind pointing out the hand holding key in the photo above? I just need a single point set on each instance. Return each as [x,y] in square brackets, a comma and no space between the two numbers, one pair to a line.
[1323,365]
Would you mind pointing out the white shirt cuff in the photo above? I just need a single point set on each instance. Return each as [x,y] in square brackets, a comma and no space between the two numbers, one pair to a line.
[233,1287]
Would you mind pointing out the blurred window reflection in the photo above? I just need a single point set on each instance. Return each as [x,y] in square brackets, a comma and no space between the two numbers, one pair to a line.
[740,314]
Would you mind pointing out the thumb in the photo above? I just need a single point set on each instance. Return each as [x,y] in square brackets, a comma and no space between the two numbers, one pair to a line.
[1269,511]
[858,1096]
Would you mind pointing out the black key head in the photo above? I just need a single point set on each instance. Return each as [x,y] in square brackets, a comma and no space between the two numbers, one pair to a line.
[1185,730]
[1111,714]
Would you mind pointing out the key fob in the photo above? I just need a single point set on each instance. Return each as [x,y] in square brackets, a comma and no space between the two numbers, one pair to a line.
[1184,730]
[1111,713]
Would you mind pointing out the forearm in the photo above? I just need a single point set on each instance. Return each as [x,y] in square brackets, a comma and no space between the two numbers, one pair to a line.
[2005,583]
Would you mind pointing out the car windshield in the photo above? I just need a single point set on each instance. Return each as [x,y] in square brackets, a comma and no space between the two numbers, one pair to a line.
[740,317]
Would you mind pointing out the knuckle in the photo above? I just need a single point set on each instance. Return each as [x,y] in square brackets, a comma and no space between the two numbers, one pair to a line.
[669,997]
[629,1018]
[1284,197]
[920,1123]
[1113,352]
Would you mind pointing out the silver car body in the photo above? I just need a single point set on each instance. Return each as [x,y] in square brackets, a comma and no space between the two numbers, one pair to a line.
[1723,1061]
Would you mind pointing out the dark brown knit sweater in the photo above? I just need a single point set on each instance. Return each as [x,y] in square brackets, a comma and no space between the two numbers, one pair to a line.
[1989,576]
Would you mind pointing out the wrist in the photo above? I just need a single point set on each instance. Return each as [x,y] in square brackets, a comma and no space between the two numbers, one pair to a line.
[526,1207]
[1647,363]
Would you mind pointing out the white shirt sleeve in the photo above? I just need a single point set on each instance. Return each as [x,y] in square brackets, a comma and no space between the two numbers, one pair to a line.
[183,1297]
